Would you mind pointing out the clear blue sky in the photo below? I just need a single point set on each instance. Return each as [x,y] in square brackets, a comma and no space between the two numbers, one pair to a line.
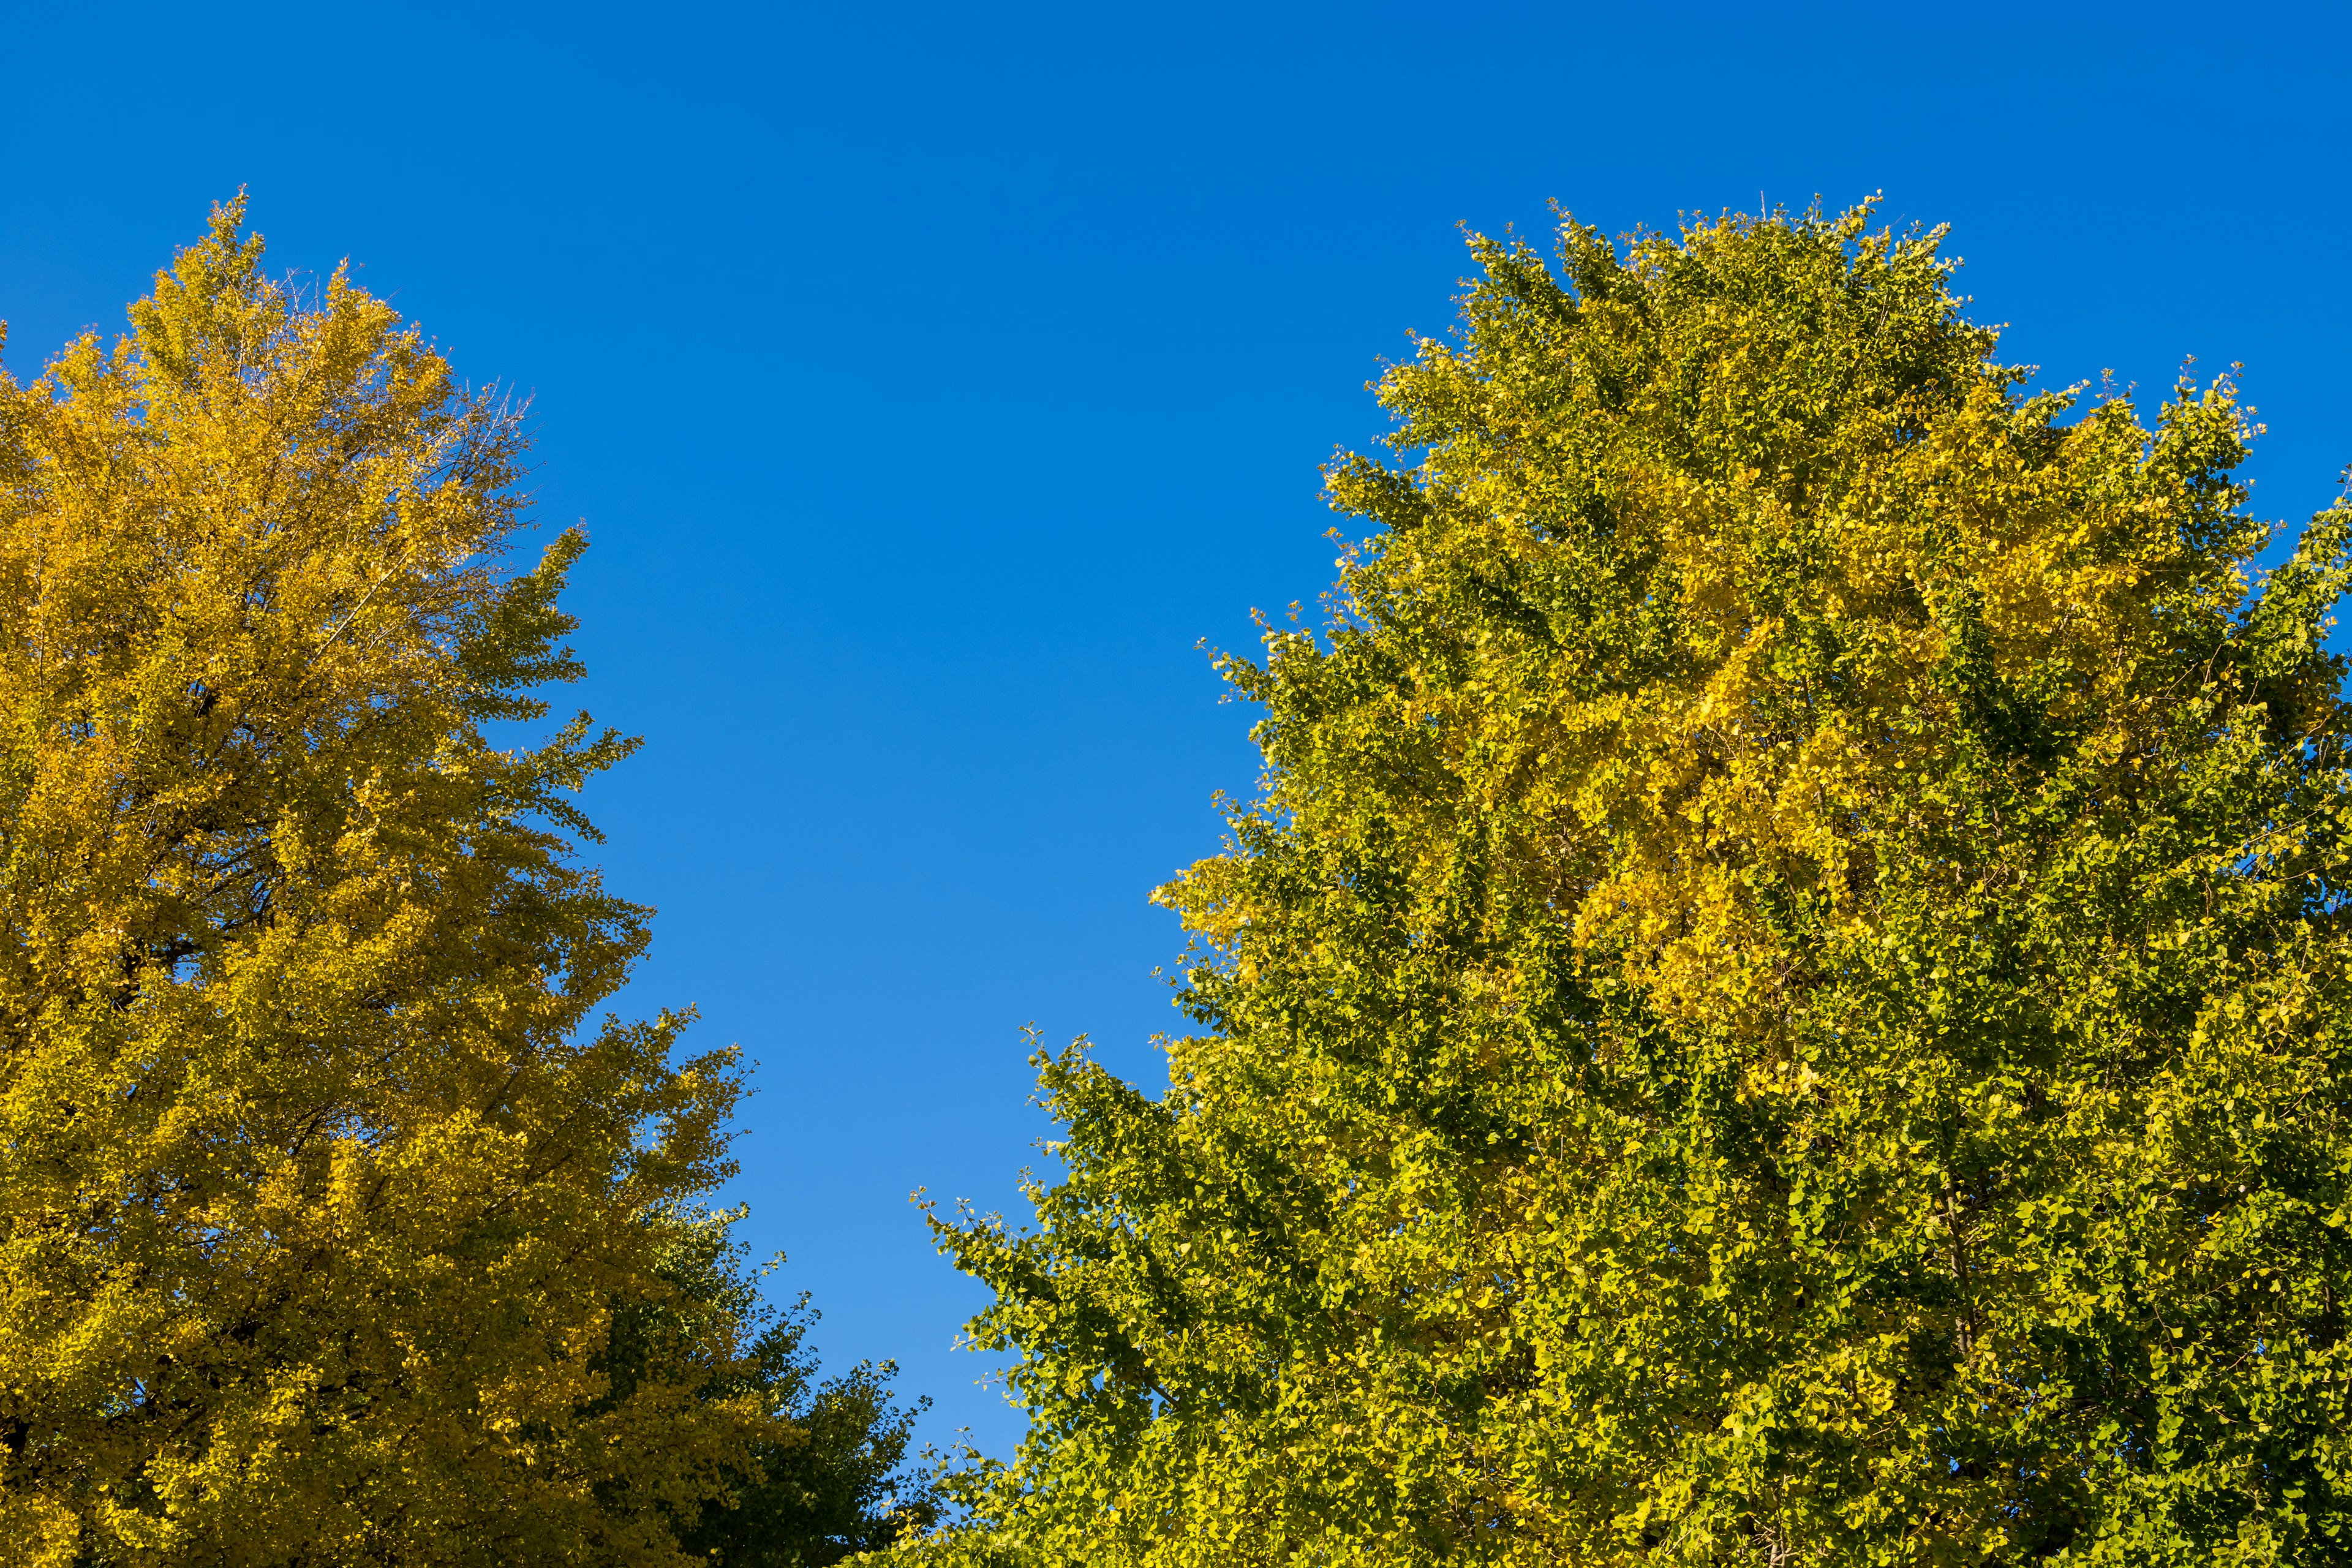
[932,379]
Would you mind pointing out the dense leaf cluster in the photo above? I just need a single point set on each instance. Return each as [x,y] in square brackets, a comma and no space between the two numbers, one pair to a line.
[1784,1000]
[335,1229]
[826,1479]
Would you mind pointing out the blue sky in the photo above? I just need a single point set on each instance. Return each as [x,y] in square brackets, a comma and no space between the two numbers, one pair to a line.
[933,380]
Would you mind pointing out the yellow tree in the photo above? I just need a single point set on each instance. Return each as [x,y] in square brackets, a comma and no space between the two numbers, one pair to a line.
[318,1183]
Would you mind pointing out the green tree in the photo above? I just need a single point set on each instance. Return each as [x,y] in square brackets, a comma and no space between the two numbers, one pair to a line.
[322,1188]
[826,1479]
[1784,999]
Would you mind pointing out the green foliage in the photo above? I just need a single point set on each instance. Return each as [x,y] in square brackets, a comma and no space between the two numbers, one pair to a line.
[826,1479]
[1784,1000]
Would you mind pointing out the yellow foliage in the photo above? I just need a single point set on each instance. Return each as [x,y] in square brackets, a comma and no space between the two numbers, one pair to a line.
[319,1184]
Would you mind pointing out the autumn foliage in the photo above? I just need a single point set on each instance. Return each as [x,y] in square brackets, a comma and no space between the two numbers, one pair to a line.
[323,1189]
[1788,998]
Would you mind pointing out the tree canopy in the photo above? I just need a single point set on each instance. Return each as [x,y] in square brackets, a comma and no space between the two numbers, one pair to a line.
[322,1185]
[1783,999]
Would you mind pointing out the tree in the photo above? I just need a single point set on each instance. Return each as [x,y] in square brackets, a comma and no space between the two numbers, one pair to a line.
[1784,999]
[321,1188]
[825,1480]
